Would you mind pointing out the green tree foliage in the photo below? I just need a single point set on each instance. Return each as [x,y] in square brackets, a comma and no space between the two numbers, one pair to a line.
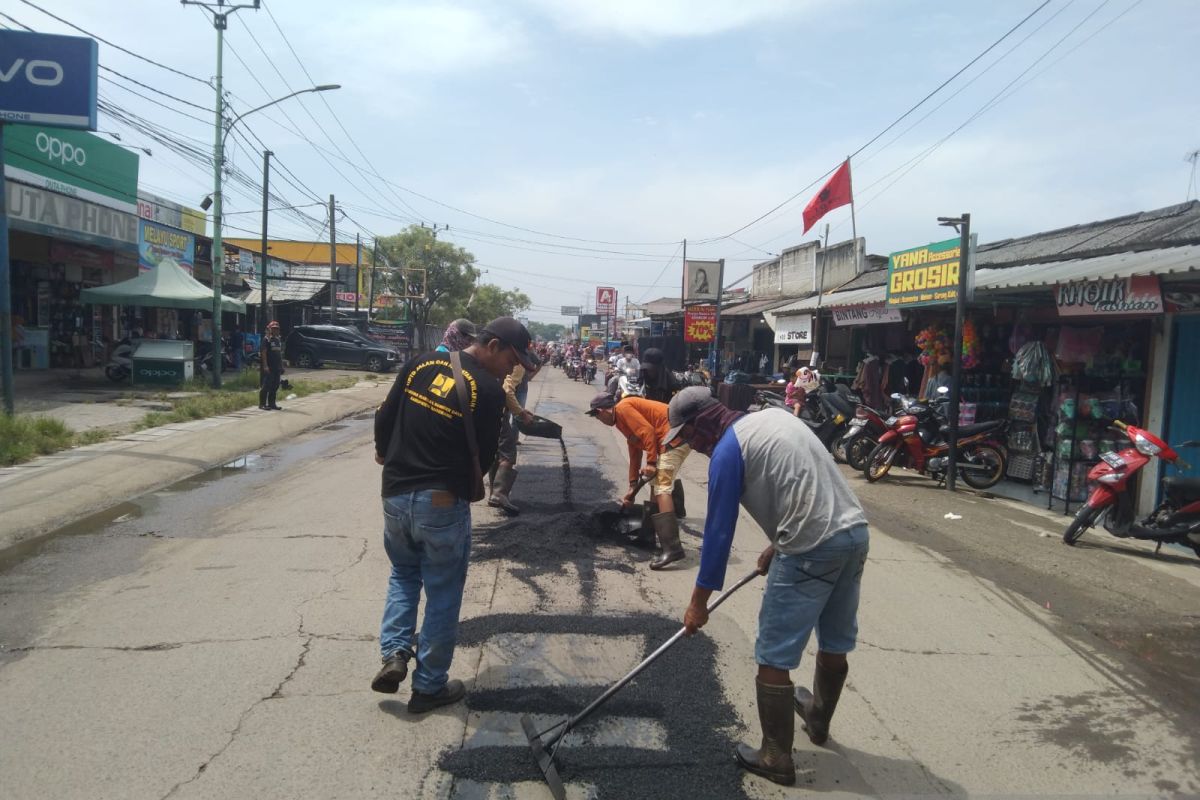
[449,276]
[489,301]
[548,331]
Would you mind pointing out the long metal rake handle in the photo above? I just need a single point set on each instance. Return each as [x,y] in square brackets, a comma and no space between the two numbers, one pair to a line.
[616,687]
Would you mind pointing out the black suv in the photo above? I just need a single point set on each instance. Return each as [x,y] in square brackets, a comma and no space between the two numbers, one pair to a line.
[313,345]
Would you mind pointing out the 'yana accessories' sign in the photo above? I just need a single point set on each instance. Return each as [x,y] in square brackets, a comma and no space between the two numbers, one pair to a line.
[699,323]
[875,314]
[924,276]
[1136,295]
[793,330]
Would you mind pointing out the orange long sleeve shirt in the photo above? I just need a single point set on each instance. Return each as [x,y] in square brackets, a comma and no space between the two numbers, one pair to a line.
[644,423]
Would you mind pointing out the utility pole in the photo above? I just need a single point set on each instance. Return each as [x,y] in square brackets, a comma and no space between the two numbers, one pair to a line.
[357,272]
[333,278]
[716,345]
[6,362]
[262,276]
[963,224]
[371,291]
[220,16]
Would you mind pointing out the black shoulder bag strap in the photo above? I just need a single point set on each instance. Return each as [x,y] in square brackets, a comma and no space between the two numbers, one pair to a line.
[464,402]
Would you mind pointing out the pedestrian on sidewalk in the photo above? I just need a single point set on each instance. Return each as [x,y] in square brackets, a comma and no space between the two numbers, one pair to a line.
[644,425]
[771,463]
[504,472]
[270,368]
[429,481]
[237,347]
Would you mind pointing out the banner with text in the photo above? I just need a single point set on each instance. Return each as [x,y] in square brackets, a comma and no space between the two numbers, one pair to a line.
[794,330]
[924,276]
[156,242]
[1139,294]
[875,314]
[606,300]
[699,323]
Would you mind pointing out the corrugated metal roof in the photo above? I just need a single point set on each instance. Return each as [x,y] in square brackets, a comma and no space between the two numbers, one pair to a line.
[281,290]
[753,307]
[1164,261]
[1163,227]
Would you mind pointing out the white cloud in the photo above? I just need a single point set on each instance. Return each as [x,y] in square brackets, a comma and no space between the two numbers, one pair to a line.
[666,19]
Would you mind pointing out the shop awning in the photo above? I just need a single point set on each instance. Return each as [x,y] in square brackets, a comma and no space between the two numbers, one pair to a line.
[866,296]
[280,290]
[1163,261]
[165,286]
[752,308]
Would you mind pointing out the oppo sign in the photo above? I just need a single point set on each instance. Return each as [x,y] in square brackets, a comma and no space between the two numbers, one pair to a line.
[55,149]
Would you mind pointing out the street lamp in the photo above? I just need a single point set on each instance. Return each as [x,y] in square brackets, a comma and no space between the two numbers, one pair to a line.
[218,254]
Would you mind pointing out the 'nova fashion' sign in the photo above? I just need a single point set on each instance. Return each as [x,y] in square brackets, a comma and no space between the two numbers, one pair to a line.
[1137,295]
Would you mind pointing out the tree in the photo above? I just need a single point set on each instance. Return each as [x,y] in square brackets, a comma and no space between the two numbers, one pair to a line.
[449,276]
[551,332]
[490,301]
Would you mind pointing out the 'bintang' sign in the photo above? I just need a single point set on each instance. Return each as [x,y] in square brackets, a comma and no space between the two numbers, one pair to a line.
[924,276]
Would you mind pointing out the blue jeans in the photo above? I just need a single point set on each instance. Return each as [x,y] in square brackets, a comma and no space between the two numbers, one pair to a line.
[818,588]
[427,536]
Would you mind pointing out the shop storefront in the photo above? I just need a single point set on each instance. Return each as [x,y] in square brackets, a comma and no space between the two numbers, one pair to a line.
[70,202]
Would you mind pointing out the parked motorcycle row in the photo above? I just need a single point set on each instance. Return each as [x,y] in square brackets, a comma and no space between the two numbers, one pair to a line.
[914,434]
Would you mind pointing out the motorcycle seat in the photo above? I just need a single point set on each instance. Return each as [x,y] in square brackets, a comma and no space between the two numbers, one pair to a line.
[1181,485]
[971,430]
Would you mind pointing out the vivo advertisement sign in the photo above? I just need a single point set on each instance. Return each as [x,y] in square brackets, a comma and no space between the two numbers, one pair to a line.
[48,80]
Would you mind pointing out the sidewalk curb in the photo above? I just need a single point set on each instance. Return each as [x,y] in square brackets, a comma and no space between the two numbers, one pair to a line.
[43,495]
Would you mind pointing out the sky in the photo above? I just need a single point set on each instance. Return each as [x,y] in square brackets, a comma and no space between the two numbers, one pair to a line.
[570,144]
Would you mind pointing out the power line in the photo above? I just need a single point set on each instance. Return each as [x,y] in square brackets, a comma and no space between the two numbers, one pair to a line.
[877,136]
[116,46]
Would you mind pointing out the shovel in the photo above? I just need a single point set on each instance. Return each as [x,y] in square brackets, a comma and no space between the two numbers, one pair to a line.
[544,759]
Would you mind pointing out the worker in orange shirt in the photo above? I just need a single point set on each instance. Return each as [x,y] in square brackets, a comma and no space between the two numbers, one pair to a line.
[644,424]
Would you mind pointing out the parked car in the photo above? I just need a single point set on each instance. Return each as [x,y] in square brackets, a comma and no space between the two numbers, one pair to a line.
[313,345]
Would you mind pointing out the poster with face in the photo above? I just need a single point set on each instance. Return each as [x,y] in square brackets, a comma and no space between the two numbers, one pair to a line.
[701,281]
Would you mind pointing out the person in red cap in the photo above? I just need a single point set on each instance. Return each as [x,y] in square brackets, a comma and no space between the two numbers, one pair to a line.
[270,366]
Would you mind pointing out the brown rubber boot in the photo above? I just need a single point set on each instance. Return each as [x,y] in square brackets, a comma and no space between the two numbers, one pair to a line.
[816,707]
[666,525]
[773,760]
[506,476]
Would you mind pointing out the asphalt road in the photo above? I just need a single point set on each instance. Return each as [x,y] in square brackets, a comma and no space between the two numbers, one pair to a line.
[217,638]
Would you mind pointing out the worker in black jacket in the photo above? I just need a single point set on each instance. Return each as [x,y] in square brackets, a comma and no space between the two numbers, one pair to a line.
[428,478]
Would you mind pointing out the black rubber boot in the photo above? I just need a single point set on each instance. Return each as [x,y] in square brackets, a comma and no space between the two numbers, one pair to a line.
[666,525]
[506,476]
[773,760]
[816,707]
[677,499]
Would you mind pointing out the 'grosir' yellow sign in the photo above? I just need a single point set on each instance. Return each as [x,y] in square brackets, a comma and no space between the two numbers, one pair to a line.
[924,276]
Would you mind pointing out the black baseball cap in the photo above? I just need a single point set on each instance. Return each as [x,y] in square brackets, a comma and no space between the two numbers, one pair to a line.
[515,335]
[602,400]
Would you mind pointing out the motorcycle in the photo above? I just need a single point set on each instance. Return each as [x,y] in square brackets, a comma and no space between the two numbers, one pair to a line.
[1176,520]
[589,371]
[863,432]
[571,367]
[917,438]
[120,365]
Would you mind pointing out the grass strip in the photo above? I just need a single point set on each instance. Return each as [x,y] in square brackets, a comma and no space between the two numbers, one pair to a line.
[25,437]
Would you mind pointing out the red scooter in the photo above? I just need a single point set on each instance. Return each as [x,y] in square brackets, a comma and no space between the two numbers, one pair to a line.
[917,438]
[1177,518]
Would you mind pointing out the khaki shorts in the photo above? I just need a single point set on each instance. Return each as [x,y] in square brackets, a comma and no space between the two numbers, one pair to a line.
[669,464]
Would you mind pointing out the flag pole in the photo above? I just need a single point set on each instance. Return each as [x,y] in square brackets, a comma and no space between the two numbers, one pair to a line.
[853,222]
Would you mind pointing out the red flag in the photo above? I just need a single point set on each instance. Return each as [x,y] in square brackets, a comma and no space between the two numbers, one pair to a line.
[835,193]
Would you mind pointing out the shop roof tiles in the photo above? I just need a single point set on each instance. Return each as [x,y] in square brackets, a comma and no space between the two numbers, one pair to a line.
[281,290]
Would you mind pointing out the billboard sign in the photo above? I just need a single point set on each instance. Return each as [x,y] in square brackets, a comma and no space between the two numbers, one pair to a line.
[590,320]
[396,334]
[606,300]
[53,214]
[794,330]
[924,276]
[571,311]
[156,242]
[699,323]
[74,163]
[165,212]
[46,79]
[1139,294]
[874,314]
[700,281]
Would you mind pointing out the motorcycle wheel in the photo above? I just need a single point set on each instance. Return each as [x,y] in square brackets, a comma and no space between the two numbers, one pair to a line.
[1085,517]
[115,373]
[993,458]
[880,461]
[856,454]
[838,449]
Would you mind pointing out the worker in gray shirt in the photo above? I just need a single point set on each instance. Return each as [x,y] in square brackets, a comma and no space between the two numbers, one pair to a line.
[771,464]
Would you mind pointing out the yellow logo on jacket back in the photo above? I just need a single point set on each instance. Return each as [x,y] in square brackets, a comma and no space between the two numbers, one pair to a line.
[442,385]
